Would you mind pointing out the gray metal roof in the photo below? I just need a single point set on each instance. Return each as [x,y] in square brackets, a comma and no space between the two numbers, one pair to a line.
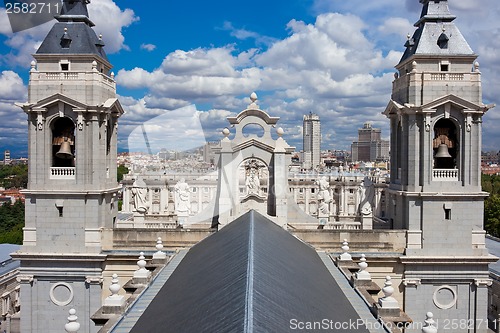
[251,276]
[6,262]
[73,33]
[436,22]
[83,40]
[493,246]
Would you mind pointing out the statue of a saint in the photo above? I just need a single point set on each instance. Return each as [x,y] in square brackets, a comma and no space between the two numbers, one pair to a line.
[140,196]
[182,198]
[252,180]
[324,196]
[366,194]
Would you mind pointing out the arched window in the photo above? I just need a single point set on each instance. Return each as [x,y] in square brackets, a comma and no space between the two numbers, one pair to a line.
[253,129]
[63,143]
[445,145]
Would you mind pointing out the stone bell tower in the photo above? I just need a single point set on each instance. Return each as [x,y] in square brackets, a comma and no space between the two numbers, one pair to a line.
[435,192]
[72,189]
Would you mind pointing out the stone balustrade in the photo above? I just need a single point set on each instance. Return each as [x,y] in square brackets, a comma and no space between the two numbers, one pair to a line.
[62,173]
[445,175]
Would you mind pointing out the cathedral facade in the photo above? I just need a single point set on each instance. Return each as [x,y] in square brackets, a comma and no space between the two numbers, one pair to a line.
[423,226]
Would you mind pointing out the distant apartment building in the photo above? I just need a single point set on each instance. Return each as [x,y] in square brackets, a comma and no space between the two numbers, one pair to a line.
[370,146]
[209,155]
[311,132]
[6,157]
[490,157]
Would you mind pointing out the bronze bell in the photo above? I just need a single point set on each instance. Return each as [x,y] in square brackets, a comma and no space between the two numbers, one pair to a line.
[443,151]
[65,151]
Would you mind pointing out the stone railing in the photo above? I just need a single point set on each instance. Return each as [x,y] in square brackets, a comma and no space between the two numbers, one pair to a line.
[70,76]
[160,225]
[343,226]
[447,76]
[62,173]
[444,175]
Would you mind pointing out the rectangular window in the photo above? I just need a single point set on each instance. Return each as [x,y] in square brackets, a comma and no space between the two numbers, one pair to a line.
[65,67]
[444,67]
[447,214]
[60,209]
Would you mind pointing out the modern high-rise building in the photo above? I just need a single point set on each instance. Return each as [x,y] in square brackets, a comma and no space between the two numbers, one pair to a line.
[311,132]
[370,146]
[6,157]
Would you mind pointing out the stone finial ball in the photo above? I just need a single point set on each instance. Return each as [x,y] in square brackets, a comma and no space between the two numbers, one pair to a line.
[226,132]
[253,97]
[280,131]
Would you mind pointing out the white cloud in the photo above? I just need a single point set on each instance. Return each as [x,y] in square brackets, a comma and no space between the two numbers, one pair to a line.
[320,67]
[199,73]
[396,26]
[202,62]
[100,12]
[242,34]
[148,47]
[12,87]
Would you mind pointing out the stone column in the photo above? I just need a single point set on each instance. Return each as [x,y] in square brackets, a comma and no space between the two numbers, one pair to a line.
[226,180]
[280,181]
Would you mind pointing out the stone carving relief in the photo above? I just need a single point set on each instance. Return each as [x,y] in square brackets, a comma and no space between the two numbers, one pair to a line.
[252,177]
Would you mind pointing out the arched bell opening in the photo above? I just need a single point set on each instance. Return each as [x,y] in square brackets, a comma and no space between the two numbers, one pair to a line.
[445,145]
[63,143]
[109,136]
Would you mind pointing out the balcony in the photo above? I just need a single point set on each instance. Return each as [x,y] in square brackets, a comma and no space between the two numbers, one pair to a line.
[62,173]
[445,175]
[83,77]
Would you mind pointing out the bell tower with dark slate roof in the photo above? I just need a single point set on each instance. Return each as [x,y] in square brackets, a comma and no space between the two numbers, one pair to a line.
[435,193]
[72,190]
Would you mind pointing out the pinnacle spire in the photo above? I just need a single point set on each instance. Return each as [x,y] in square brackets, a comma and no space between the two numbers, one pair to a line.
[436,33]
[75,11]
[73,33]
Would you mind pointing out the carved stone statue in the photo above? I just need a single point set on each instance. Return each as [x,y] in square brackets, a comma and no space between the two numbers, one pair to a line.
[140,196]
[252,180]
[182,198]
[324,197]
[366,193]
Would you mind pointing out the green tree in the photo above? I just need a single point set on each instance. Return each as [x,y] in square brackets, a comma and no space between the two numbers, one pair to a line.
[12,223]
[491,184]
[492,215]
[121,170]
[14,176]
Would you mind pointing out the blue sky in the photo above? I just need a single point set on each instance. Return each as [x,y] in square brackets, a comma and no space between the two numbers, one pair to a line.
[335,58]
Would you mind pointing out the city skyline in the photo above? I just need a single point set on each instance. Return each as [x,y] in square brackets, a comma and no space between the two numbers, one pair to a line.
[294,54]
